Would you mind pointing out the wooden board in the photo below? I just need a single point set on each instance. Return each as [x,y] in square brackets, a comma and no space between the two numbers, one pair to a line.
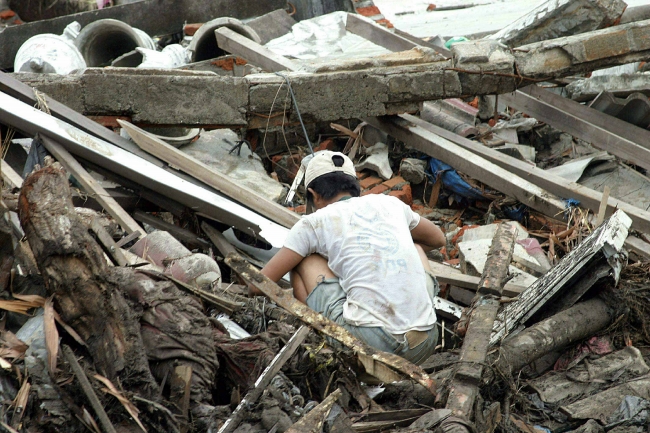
[557,185]
[419,138]
[202,172]
[9,175]
[234,43]
[377,34]
[91,186]
[448,275]
[603,131]
[609,237]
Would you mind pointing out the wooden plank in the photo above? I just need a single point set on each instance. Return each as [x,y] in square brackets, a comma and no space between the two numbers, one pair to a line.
[264,380]
[637,246]
[377,34]
[107,243]
[236,44]
[202,172]
[183,235]
[129,238]
[448,275]
[326,326]
[498,260]
[466,381]
[557,185]
[609,237]
[218,239]
[9,175]
[603,131]
[91,186]
[180,393]
[441,50]
[313,421]
[419,138]
[603,206]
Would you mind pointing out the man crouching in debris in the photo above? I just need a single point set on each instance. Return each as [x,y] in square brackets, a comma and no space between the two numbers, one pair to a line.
[361,261]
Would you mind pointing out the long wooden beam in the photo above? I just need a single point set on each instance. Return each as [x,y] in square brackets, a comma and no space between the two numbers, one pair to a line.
[258,55]
[213,178]
[554,184]
[417,137]
[603,131]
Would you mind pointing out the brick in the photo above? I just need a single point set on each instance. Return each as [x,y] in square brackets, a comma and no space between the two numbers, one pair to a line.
[327,145]
[378,189]
[403,194]
[368,11]
[6,14]
[392,183]
[369,182]
[191,29]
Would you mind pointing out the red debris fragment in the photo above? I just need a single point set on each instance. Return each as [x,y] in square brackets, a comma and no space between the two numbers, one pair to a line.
[431,7]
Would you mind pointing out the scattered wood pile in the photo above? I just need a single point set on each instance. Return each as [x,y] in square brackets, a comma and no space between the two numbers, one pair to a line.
[124,260]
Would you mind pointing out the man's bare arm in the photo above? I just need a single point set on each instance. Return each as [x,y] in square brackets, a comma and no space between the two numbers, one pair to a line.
[281,263]
[428,235]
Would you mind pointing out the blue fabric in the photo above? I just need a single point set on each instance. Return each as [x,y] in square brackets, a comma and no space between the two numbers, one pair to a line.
[452,182]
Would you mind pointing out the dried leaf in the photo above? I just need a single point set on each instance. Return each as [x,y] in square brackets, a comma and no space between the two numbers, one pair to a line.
[10,341]
[20,307]
[5,364]
[20,403]
[90,422]
[130,407]
[51,335]
[8,428]
[69,329]
[34,299]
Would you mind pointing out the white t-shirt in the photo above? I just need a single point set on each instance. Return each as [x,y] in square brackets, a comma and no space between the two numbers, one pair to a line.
[368,245]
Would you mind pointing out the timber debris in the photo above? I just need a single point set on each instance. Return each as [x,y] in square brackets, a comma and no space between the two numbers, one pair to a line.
[150,167]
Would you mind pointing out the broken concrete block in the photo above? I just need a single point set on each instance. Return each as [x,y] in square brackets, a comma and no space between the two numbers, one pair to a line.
[621,86]
[474,254]
[413,170]
[377,160]
[557,18]
[213,148]
[272,25]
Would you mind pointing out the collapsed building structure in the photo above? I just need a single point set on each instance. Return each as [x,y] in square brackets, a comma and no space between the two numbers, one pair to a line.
[146,184]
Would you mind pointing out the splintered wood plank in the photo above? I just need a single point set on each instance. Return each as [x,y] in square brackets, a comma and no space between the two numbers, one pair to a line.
[464,386]
[213,178]
[448,275]
[603,131]
[607,240]
[264,380]
[107,243]
[498,260]
[419,138]
[91,186]
[9,175]
[324,325]
[315,418]
[550,182]
[236,44]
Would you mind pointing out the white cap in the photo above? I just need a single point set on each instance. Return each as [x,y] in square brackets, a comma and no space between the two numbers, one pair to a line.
[322,163]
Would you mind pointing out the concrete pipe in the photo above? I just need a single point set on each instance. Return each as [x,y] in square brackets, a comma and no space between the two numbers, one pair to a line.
[105,40]
[204,44]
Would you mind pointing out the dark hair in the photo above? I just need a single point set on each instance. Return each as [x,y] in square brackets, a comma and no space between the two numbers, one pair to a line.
[330,185]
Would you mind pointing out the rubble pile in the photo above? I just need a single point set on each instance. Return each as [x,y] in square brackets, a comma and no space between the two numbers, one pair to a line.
[153,160]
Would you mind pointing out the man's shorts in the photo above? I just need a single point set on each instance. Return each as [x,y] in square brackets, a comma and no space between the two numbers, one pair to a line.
[328,298]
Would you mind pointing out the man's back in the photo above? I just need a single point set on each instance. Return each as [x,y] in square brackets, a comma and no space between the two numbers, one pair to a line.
[368,245]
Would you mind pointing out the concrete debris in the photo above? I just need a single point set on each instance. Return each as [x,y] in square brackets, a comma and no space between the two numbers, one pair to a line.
[557,18]
[137,229]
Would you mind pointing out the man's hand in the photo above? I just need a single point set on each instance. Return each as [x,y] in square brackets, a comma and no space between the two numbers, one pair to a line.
[428,235]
